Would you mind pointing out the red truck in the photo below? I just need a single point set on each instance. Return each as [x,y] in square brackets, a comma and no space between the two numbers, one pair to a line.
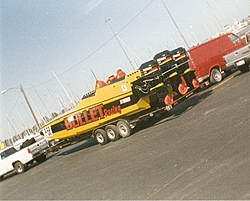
[207,60]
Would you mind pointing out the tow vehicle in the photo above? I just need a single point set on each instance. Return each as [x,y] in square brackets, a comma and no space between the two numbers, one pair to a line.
[115,106]
[12,159]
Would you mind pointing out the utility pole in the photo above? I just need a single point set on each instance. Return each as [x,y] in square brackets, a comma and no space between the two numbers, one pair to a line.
[31,110]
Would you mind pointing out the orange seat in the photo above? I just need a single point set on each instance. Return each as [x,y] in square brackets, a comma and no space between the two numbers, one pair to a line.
[120,73]
[99,84]
[110,79]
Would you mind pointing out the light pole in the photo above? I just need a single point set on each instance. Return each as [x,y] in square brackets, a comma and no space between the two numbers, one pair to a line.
[4,91]
[27,101]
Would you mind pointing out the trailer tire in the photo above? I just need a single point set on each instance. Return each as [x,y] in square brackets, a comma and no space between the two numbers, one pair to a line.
[215,76]
[41,158]
[101,136]
[19,167]
[112,132]
[124,128]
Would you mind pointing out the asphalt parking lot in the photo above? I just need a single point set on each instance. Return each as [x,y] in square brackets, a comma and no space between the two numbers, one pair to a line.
[199,150]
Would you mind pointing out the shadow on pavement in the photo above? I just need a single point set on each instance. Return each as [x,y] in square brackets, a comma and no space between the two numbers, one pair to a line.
[9,175]
[176,112]
[14,173]
[241,73]
[190,103]
[75,148]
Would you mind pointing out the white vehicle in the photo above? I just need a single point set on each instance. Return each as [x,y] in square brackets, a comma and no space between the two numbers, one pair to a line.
[11,159]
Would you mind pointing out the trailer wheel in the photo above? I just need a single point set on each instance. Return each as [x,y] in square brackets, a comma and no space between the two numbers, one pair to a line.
[112,132]
[20,168]
[124,128]
[215,76]
[101,136]
[41,158]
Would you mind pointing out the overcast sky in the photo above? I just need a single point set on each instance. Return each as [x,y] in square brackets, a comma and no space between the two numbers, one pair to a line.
[42,40]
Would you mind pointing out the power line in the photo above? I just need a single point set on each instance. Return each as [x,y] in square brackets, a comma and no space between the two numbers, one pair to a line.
[109,39]
[95,51]
[134,17]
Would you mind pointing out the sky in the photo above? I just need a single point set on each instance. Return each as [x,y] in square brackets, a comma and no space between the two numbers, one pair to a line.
[55,49]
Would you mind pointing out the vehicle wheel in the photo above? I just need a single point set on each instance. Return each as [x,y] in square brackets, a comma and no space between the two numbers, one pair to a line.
[19,167]
[101,136]
[124,128]
[112,132]
[1,178]
[244,68]
[215,76]
[41,158]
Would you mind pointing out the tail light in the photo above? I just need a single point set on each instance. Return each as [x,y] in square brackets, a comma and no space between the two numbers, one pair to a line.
[29,151]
